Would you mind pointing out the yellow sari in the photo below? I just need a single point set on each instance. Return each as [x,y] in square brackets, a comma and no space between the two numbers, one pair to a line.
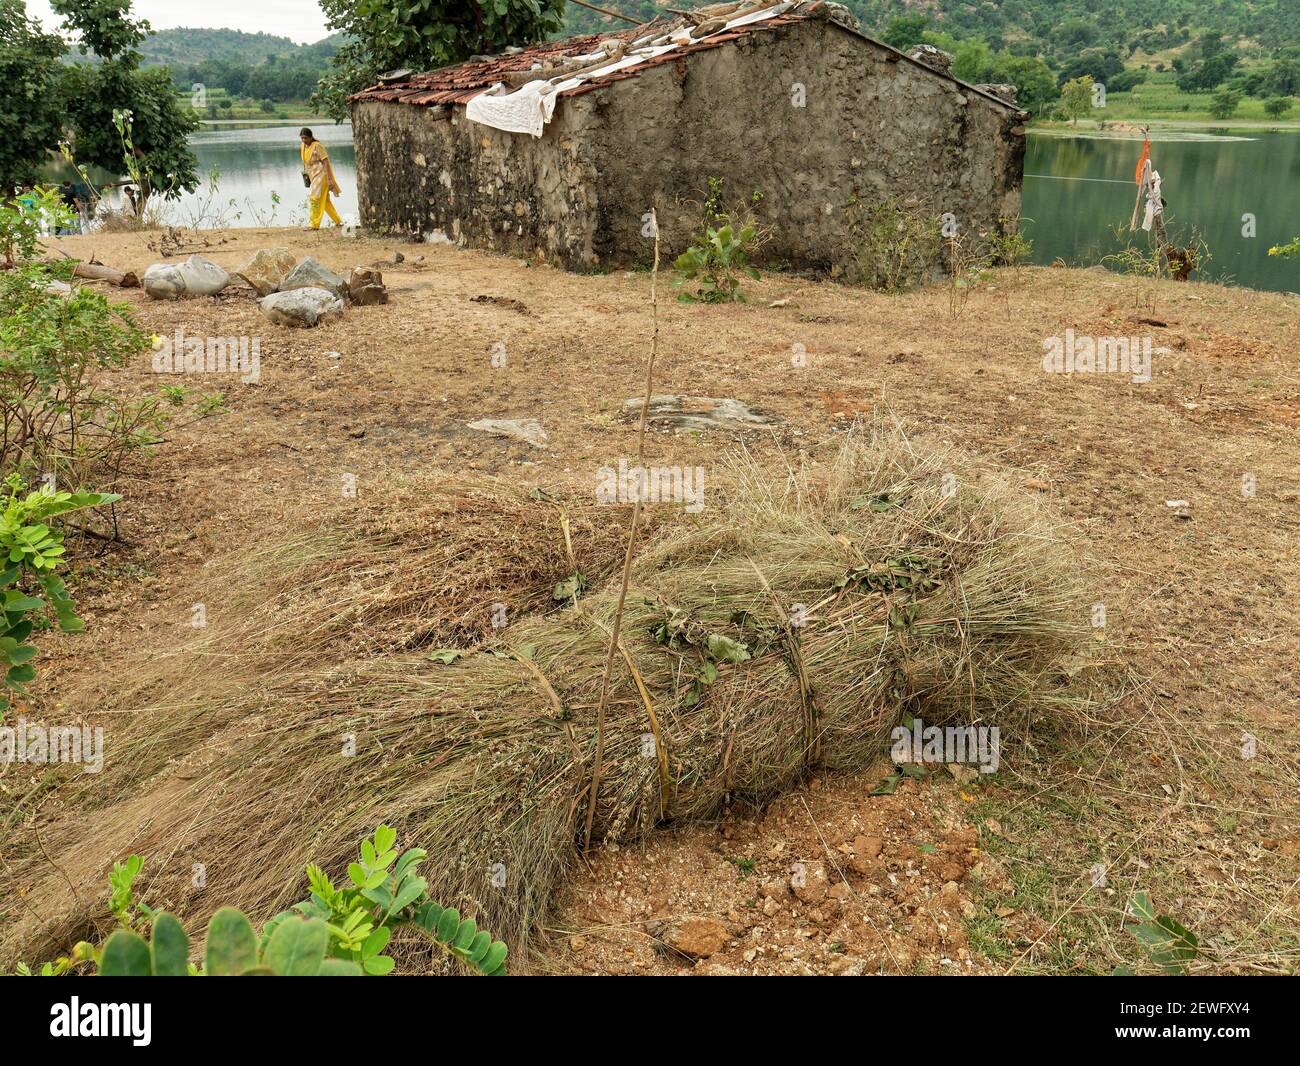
[316,164]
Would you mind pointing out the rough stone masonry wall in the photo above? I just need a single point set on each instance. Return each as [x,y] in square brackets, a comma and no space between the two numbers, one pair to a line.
[872,123]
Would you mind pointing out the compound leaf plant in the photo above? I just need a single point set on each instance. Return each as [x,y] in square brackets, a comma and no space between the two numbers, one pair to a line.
[335,932]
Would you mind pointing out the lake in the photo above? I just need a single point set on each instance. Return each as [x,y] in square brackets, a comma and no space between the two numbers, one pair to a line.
[1076,189]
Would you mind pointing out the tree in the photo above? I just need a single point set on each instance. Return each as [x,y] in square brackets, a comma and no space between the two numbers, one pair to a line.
[1277,106]
[1033,79]
[29,109]
[1076,98]
[124,116]
[904,31]
[422,35]
[1224,103]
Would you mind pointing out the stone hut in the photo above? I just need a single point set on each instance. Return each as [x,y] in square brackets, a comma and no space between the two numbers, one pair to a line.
[561,149]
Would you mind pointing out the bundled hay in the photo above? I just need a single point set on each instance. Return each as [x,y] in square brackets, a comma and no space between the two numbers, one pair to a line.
[791,629]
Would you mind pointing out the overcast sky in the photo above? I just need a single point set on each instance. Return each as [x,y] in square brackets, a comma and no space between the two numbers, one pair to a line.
[299,20]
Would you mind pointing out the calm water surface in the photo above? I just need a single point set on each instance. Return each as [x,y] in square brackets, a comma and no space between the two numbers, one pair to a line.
[1077,188]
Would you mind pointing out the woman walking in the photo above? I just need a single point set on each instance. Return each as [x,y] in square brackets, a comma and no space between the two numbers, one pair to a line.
[319,174]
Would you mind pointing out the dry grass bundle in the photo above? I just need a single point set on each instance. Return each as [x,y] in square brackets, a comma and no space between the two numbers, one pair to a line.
[790,629]
[418,563]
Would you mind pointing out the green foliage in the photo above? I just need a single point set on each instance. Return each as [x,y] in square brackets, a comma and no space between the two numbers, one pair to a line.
[21,221]
[1205,65]
[32,550]
[56,419]
[1076,98]
[30,117]
[125,119]
[1167,942]
[1225,103]
[895,244]
[721,251]
[1277,106]
[1286,251]
[422,35]
[335,932]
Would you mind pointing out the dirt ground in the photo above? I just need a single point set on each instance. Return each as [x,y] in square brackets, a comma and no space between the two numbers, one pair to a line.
[944,875]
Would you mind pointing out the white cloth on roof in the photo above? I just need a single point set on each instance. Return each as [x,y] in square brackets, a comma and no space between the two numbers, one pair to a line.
[526,110]
[530,107]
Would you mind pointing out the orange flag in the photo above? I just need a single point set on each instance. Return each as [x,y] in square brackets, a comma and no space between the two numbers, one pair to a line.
[1146,155]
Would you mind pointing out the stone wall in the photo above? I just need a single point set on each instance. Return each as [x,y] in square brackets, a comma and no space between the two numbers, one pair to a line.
[871,123]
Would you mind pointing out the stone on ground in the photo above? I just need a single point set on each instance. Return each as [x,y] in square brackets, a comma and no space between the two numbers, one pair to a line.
[202,276]
[697,412]
[164,281]
[301,307]
[267,269]
[697,937]
[309,274]
[528,430]
[366,286]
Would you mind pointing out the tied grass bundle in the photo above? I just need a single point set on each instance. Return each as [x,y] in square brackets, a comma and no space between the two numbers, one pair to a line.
[790,628]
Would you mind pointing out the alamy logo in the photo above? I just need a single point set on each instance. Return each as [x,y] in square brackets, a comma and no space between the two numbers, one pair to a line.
[652,484]
[38,745]
[1073,354]
[976,744]
[179,354]
[102,1019]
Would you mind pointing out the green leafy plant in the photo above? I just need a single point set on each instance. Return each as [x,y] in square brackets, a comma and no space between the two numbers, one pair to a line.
[21,221]
[32,551]
[721,252]
[895,245]
[335,932]
[1286,251]
[1168,943]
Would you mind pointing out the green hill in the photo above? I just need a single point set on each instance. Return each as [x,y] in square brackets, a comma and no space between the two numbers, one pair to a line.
[1054,29]
[186,45]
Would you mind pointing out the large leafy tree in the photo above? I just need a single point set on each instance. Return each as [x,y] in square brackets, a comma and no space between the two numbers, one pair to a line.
[422,35]
[117,109]
[30,118]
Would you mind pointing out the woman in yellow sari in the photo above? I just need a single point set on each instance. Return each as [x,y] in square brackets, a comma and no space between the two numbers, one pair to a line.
[316,167]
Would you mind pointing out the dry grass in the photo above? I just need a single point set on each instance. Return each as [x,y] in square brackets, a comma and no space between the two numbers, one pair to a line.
[954,606]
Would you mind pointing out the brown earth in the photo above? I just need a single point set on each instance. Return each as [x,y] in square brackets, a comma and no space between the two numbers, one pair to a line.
[974,876]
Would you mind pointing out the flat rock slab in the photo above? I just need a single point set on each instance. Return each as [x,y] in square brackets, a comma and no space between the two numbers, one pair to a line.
[267,269]
[309,274]
[528,430]
[697,413]
[301,307]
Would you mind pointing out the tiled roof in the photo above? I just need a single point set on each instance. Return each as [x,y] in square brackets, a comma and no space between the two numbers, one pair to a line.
[456,85]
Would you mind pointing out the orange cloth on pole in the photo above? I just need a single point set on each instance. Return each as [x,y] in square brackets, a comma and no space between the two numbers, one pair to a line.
[1146,154]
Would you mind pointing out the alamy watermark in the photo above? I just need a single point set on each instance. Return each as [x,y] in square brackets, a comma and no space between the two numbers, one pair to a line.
[977,744]
[179,354]
[652,484]
[1081,354]
[38,745]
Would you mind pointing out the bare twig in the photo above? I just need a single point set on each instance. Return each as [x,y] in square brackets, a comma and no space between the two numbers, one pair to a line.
[631,543]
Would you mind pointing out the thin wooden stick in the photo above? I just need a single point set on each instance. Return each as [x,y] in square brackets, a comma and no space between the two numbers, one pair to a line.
[607,11]
[631,542]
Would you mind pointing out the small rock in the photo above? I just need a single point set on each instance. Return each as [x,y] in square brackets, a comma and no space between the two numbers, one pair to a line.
[366,286]
[58,288]
[301,307]
[369,295]
[202,277]
[809,882]
[309,274]
[528,430]
[696,412]
[163,281]
[267,269]
[697,937]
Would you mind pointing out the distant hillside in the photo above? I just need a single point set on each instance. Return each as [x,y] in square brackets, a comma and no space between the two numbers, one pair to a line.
[1051,28]
[188,46]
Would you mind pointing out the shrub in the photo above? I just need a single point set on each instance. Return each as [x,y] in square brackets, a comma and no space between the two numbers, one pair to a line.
[895,245]
[721,252]
[333,933]
[32,551]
